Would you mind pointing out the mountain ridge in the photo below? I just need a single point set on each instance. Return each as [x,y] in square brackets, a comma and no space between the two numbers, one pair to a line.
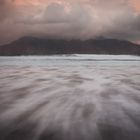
[39,46]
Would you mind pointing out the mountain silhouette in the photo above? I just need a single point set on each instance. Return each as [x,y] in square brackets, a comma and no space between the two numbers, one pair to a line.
[41,46]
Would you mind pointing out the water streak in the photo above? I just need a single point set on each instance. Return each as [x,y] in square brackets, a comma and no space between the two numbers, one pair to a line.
[75,100]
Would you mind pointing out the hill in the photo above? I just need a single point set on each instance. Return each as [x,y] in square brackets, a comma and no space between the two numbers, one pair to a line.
[39,46]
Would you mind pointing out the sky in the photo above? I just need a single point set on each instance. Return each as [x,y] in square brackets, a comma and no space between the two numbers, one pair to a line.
[70,19]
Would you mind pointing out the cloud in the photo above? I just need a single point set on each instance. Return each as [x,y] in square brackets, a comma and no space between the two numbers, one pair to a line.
[70,19]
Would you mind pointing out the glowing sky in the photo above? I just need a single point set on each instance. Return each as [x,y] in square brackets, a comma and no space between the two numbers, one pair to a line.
[134,3]
[70,19]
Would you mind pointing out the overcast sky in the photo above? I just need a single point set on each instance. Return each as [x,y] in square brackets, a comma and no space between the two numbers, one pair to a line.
[70,19]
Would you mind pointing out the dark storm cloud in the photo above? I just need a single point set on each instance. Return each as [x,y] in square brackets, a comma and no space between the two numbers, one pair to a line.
[69,19]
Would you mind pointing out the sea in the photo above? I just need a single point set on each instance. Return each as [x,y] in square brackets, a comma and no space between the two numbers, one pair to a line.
[70,97]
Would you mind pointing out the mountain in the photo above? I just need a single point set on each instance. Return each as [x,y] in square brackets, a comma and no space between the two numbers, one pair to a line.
[39,46]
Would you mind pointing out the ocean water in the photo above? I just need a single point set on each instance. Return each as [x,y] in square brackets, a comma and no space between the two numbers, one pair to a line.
[70,97]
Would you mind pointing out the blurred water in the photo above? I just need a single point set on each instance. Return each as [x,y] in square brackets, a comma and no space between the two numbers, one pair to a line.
[60,60]
[75,97]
